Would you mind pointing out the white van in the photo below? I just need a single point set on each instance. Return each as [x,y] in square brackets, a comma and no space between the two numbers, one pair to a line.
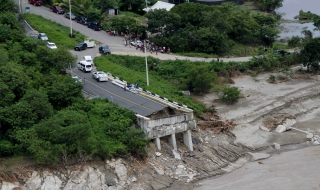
[85,66]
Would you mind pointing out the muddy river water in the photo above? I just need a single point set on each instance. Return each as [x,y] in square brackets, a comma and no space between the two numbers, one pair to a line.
[290,9]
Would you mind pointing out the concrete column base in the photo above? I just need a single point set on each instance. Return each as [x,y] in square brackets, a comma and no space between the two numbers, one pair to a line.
[187,140]
[172,140]
[157,141]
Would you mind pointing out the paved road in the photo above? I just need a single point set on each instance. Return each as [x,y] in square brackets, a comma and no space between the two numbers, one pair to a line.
[126,99]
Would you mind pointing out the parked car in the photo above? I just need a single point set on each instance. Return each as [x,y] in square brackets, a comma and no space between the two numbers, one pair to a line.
[51,45]
[81,20]
[36,2]
[104,50]
[94,25]
[138,42]
[80,46]
[57,9]
[88,59]
[68,15]
[100,76]
[282,52]
[43,36]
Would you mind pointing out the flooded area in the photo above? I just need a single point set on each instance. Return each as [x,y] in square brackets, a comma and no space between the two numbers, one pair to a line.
[289,10]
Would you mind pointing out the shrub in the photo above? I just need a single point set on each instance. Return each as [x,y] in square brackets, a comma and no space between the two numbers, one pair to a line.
[294,41]
[272,79]
[230,95]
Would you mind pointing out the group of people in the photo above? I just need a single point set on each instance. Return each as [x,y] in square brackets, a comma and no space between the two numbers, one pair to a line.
[130,86]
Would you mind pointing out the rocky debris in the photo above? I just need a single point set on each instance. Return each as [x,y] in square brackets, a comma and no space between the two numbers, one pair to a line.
[161,181]
[264,128]
[215,123]
[195,141]
[309,136]
[271,122]
[277,146]
[169,152]
[199,147]
[315,140]
[158,154]
[280,129]
[176,154]
[257,156]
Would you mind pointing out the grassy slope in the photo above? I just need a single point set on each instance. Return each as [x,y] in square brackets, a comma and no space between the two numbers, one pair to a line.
[157,84]
[56,32]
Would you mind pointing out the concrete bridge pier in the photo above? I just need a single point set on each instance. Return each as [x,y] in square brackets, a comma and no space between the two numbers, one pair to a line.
[187,140]
[172,140]
[157,141]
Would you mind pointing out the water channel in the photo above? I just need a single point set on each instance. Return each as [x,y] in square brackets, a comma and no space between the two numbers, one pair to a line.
[289,10]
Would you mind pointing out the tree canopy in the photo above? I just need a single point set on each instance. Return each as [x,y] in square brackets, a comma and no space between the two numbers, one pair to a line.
[43,112]
[210,29]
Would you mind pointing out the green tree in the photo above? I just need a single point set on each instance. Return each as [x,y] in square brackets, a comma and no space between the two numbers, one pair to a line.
[310,54]
[8,6]
[316,22]
[63,92]
[201,79]
[190,13]
[163,22]
[270,5]
[230,95]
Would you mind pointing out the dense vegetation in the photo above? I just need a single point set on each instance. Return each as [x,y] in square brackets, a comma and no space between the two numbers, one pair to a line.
[193,27]
[43,113]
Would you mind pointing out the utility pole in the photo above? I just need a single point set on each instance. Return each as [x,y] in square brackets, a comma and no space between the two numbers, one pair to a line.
[145,48]
[70,19]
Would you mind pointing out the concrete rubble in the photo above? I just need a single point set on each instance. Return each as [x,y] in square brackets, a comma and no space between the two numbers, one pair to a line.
[257,156]
[285,126]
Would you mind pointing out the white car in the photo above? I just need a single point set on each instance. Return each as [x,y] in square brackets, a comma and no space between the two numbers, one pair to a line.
[100,76]
[51,45]
[67,15]
[88,59]
[43,36]
[138,42]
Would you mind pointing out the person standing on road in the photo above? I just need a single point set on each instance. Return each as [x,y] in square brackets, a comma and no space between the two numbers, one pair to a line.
[125,87]
[111,98]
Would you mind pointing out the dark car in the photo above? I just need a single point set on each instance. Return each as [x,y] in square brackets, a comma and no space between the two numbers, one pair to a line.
[80,46]
[104,50]
[94,25]
[57,9]
[35,2]
[282,52]
[81,20]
